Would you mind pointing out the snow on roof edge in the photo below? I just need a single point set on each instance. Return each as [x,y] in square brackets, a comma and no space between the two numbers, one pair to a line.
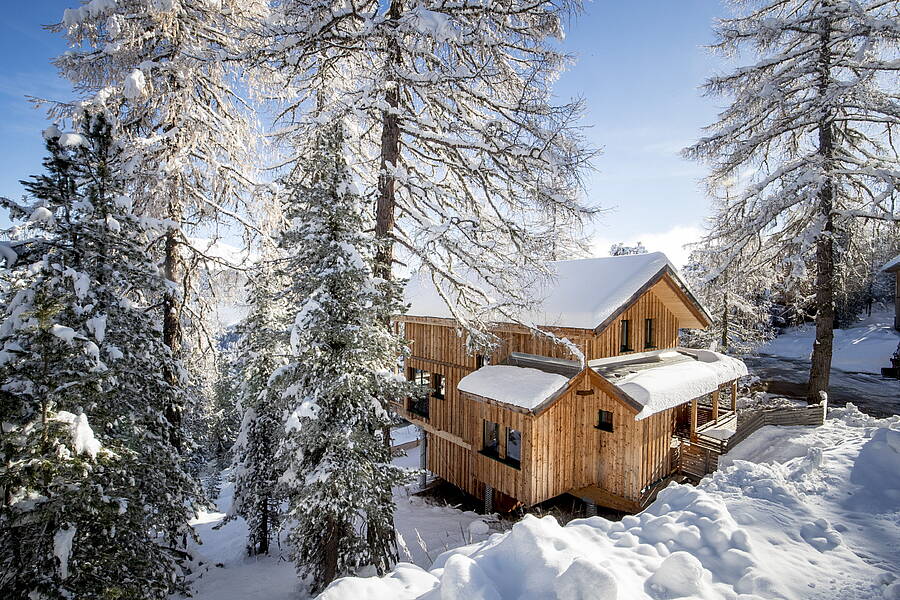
[523,387]
[892,264]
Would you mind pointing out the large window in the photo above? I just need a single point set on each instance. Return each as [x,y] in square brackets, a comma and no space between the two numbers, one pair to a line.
[625,335]
[491,444]
[419,405]
[604,420]
[513,447]
[649,334]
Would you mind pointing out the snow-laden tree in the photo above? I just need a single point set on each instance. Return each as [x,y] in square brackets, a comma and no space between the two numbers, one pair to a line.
[337,471]
[740,306]
[261,351]
[95,500]
[472,171]
[160,68]
[623,249]
[813,120]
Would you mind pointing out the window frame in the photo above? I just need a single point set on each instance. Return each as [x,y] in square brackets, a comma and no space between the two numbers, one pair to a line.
[605,425]
[482,360]
[649,333]
[625,335]
[416,405]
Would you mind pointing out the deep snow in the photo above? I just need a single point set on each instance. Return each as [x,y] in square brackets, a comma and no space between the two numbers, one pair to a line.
[797,513]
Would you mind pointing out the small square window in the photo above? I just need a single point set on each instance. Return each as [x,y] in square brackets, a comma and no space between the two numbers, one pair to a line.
[481,360]
[604,420]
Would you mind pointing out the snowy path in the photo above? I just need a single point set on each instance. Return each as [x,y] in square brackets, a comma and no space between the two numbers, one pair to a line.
[426,529]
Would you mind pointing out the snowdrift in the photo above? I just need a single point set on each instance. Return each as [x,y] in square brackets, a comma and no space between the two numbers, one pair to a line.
[798,527]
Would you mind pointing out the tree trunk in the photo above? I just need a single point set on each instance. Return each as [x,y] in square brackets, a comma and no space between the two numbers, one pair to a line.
[172,323]
[264,528]
[330,554]
[820,368]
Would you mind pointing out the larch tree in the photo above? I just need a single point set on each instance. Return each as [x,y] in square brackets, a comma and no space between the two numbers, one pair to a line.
[95,500]
[161,68]
[337,471]
[472,171]
[814,120]
[262,350]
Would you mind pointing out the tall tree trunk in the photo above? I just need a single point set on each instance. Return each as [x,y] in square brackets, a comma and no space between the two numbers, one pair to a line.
[382,547]
[171,319]
[820,368]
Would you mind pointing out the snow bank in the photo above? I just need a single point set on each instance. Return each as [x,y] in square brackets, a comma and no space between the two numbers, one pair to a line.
[519,386]
[770,530]
[667,386]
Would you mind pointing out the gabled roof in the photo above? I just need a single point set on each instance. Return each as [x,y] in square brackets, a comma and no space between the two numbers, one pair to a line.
[584,293]
[892,265]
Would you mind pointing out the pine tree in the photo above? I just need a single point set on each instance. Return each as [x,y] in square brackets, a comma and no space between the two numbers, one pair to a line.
[473,171]
[621,249]
[167,71]
[814,118]
[96,503]
[262,350]
[338,472]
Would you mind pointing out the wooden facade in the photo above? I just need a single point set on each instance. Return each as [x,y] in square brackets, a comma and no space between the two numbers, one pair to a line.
[563,448]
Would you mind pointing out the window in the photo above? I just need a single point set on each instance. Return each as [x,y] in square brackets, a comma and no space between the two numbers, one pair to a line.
[438,385]
[491,445]
[481,360]
[419,405]
[420,377]
[625,332]
[513,447]
[649,342]
[604,420]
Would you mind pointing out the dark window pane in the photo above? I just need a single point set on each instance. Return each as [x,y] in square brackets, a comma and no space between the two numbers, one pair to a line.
[649,342]
[625,335]
[513,445]
[491,438]
[438,386]
[605,420]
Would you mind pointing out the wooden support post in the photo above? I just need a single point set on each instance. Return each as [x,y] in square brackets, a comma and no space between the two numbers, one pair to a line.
[590,508]
[694,420]
[734,396]
[715,408]
[488,499]
[423,458]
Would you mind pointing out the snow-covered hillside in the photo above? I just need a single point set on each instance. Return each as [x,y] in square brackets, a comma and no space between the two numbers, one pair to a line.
[798,513]
[865,347]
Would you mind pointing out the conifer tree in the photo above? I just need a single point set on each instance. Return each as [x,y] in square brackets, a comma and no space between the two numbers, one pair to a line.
[814,119]
[96,502]
[338,472]
[262,349]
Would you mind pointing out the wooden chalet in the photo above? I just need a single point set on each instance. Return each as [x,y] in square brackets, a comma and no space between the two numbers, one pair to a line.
[529,422]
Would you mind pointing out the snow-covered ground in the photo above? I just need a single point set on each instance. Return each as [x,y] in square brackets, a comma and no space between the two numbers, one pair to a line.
[863,348]
[426,530]
[796,513]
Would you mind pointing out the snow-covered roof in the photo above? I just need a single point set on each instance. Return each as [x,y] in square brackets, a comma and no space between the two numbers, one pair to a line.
[518,386]
[581,293]
[657,381]
[892,265]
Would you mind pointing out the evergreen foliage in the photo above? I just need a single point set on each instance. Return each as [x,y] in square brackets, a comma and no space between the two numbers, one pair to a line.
[261,350]
[337,469]
[96,502]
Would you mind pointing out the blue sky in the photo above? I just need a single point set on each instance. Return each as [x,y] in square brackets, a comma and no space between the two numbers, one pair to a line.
[639,67]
